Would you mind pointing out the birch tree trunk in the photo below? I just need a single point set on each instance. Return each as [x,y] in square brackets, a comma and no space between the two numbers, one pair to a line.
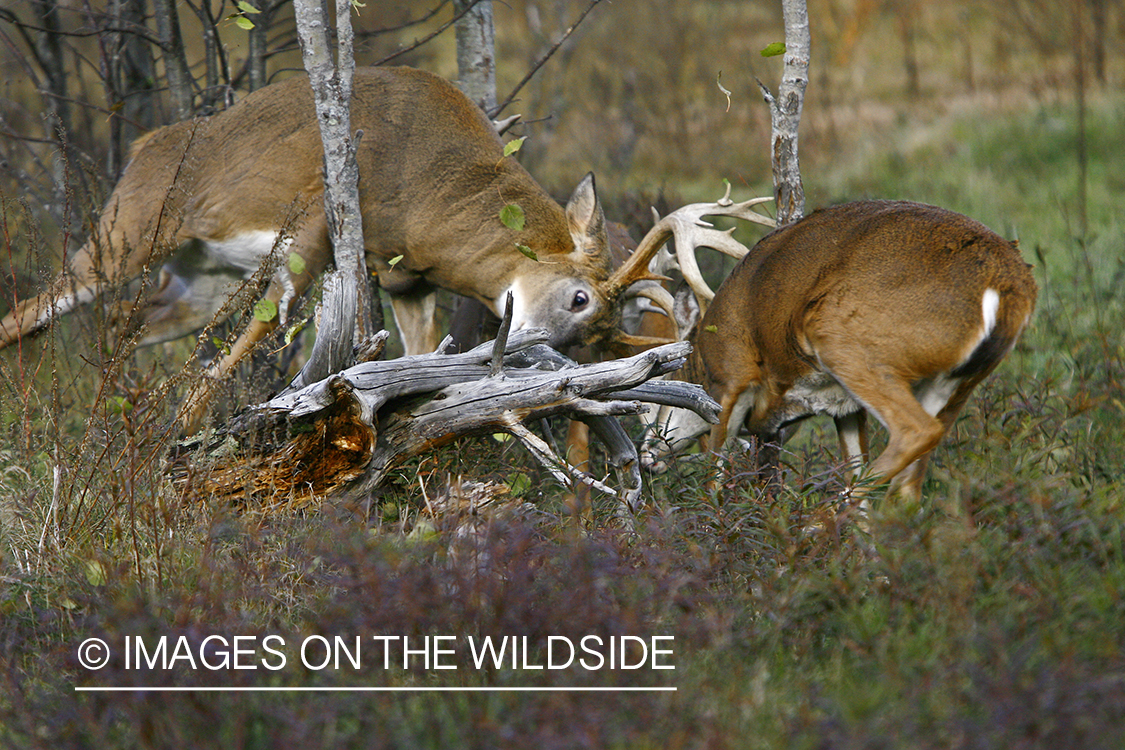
[130,81]
[56,99]
[785,113]
[476,53]
[347,298]
[257,42]
[176,69]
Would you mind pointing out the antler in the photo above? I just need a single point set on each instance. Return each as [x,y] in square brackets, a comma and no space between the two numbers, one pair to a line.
[687,226]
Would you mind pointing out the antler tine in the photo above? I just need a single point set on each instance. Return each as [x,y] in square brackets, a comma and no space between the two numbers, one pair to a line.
[691,231]
[663,300]
[660,297]
[635,268]
[687,226]
[742,211]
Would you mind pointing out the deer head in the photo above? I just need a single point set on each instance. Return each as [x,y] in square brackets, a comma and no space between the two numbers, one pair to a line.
[640,274]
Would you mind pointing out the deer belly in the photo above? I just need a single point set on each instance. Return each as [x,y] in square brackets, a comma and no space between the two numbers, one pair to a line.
[934,393]
[198,280]
[245,251]
[817,393]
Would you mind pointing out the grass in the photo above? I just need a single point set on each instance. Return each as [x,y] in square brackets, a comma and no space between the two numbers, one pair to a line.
[992,616]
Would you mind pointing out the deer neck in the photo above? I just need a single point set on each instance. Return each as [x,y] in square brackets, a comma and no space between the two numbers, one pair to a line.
[460,243]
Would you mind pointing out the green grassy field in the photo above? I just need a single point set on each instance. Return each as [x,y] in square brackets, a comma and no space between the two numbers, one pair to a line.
[993,616]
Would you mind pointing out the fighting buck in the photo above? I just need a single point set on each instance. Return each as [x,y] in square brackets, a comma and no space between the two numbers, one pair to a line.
[246,186]
[891,308]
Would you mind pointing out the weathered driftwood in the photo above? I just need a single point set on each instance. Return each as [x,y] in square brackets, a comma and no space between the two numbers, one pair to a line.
[339,438]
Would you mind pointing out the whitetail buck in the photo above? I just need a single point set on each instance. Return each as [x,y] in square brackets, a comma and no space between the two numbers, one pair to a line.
[891,308]
[247,185]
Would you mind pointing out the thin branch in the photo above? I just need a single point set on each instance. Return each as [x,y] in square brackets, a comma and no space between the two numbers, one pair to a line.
[428,37]
[407,25]
[535,68]
[134,29]
[501,342]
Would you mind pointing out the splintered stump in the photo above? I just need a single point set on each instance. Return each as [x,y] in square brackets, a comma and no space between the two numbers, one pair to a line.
[339,438]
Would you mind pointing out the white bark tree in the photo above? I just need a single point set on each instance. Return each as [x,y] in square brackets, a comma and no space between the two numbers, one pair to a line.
[346,313]
[476,52]
[785,113]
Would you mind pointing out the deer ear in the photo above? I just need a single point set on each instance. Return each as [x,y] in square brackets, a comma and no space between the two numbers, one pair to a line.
[585,219]
[687,311]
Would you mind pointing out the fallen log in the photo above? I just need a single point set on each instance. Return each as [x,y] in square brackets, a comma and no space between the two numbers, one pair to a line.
[339,438]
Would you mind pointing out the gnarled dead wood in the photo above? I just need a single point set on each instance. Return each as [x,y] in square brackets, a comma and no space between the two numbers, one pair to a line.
[339,438]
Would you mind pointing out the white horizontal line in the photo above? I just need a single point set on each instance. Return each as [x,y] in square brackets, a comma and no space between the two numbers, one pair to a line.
[368,689]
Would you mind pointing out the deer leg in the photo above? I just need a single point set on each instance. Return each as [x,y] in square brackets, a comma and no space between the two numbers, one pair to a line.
[910,480]
[765,442]
[914,432]
[82,280]
[736,406]
[414,316]
[851,431]
[767,459]
[281,290]
[117,253]
[578,456]
[35,313]
[199,396]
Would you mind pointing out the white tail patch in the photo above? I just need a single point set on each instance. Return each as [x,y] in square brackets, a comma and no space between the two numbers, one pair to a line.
[934,393]
[990,305]
[989,308]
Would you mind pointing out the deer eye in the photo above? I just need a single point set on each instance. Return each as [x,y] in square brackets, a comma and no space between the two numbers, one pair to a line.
[581,299]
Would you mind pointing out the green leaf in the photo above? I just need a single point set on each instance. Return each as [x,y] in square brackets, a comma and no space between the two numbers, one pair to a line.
[512,217]
[519,484]
[711,329]
[774,49]
[121,405]
[246,7]
[394,261]
[513,146]
[265,310]
[293,330]
[95,573]
[501,437]
[527,251]
[220,344]
[243,22]
[297,264]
